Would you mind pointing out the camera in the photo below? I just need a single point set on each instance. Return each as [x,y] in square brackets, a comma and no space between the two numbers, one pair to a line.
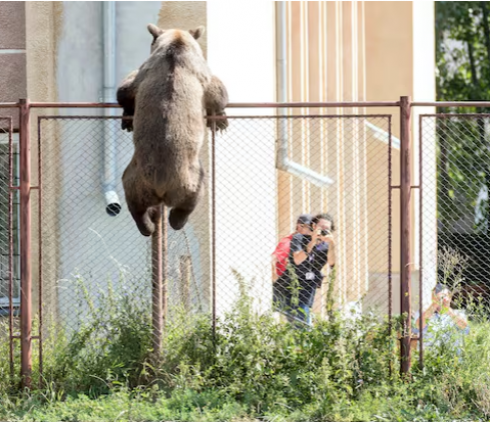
[323,232]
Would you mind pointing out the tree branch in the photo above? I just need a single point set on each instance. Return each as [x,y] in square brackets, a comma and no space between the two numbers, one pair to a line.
[486,27]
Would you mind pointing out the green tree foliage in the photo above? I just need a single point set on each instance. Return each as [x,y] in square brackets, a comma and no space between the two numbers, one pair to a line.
[463,73]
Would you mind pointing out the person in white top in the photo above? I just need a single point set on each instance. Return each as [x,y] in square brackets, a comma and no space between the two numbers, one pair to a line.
[440,322]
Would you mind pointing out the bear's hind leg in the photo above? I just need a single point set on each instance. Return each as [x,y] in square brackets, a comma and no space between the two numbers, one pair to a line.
[142,219]
[180,213]
[154,212]
[142,214]
[140,199]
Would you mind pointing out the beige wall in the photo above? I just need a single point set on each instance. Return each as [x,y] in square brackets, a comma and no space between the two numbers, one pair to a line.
[398,65]
[354,51]
[327,63]
[43,23]
[185,15]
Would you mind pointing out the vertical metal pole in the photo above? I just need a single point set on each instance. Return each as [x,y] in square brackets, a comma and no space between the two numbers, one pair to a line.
[213,222]
[164,258]
[405,217]
[390,240]
[157,314]
[185,281]
[421,254]
[40,251]
[25,245]
[11,253]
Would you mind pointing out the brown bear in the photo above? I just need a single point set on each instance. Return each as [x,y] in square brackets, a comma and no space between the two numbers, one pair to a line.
[168,97]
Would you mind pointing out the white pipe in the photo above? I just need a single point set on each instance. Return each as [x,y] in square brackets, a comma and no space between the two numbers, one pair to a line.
[282,160]
[113,205]
[281,83]
[382,135]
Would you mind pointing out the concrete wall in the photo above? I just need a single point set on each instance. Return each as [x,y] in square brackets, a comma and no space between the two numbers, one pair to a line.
[88,241]
[43,22]
[13,79]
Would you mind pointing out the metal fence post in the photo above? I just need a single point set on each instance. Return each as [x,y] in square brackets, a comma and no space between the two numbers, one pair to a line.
[213,223]
[11,251]
[164,258]
[25,244]
[406,233]
[421,245]
[390,240]
[157,303]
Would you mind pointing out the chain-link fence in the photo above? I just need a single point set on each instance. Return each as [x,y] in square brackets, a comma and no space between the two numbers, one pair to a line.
[86,252]
[456,155]
[336,165]
[262,173]
[85,258]
[91,257]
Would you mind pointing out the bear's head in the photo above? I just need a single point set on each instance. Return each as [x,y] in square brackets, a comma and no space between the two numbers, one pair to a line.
[168,37]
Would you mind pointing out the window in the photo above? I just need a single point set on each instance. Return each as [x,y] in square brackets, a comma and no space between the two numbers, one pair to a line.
[4,222]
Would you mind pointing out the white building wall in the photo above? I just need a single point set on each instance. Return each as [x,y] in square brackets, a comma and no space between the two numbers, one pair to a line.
[424,89]
[241,52]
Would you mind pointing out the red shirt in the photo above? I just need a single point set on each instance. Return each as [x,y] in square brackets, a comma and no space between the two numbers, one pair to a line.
[282,253]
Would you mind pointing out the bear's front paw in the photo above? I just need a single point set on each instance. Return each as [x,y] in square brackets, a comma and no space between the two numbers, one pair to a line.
[220,123]
[127,123]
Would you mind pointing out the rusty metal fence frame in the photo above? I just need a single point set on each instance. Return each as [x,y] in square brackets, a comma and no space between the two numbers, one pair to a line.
[159,266]
[419,139]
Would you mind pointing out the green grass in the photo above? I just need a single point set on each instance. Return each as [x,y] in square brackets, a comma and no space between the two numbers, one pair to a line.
[254,368]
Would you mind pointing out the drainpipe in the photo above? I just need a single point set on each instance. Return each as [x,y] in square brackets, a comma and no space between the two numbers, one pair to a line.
[113,205]
[282,161]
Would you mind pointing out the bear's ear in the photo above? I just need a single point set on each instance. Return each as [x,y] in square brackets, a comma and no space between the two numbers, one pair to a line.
[154,30]
[197,33]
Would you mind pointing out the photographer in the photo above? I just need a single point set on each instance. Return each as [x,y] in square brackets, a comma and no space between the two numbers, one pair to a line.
[309,253]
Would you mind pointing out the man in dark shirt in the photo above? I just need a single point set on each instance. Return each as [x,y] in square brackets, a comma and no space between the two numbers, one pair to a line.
[308,255]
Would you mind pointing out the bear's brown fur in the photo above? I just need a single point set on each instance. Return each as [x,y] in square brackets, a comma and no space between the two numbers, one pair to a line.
[169,96]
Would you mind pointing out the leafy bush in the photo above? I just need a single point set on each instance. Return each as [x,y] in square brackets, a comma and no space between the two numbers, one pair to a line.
[251,366]
[109,348]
